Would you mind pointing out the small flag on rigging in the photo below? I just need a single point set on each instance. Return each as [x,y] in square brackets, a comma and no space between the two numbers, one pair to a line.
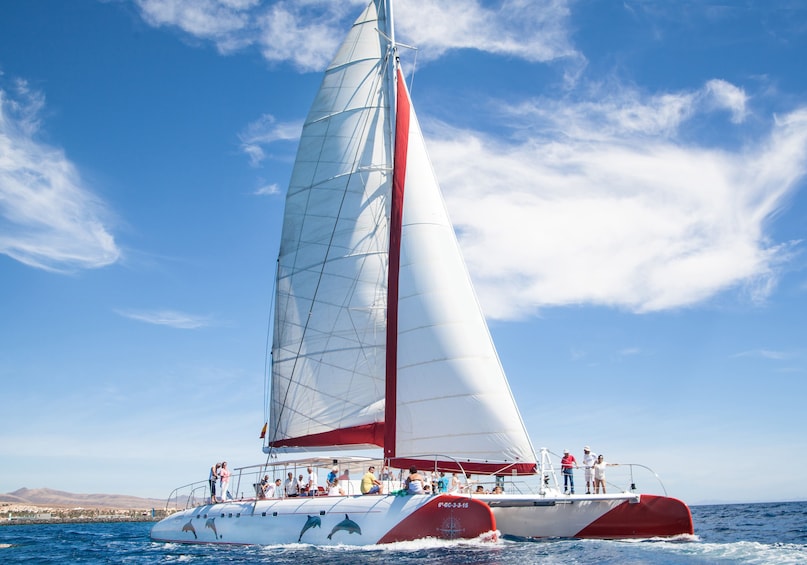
[263,431]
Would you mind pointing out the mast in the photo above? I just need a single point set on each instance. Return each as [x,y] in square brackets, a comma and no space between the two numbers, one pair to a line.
[396,221]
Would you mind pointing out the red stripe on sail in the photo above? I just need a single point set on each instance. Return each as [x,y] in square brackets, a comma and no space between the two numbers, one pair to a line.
[396,227]
[368,434]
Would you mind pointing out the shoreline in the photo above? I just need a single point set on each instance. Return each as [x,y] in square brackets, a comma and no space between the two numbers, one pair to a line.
[27,514]
[21,521]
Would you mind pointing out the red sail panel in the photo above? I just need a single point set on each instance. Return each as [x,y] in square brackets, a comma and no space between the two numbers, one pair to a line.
[369,434]
[396,224]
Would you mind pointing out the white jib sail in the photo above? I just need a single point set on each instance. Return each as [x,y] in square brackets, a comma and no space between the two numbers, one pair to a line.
[453,396]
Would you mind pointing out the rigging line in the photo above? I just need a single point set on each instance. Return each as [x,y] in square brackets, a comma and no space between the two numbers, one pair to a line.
[394,45]
[268,348]
[373,91]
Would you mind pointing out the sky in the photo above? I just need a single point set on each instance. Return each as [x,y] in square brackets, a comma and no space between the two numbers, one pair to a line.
[627,181]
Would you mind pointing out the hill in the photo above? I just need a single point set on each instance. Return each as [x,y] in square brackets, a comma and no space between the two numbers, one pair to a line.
[60,499]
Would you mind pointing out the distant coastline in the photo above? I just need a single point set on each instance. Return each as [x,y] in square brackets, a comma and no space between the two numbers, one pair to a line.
[48,506]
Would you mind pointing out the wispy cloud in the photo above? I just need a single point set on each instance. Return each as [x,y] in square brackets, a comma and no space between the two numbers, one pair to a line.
[268,190]
[169,318]
[766,354]
[49,218]
[610,207]
[533,30]
[263,131]
[306,34]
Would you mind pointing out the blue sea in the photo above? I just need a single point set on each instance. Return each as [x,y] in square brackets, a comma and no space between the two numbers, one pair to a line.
[726,533]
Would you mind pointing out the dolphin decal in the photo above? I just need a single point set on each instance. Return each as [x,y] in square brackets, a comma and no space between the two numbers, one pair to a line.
[312,522]
[346,525]
[189,528]
[211,523]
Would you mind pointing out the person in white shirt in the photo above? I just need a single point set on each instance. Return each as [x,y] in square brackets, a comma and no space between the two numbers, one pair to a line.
[588,463]
[267,488]
[312,484]
[335,489]
[291,488]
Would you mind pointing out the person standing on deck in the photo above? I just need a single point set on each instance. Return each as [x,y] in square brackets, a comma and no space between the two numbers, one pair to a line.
[567,464]
[213,479]
[588,464]
[312,485]
[599,474]
[292,488]
[224,476]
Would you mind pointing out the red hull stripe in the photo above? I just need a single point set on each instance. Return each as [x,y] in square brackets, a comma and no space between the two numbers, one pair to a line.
[465,466]
[369,434]
[396,227]
[445,517]
[652,516]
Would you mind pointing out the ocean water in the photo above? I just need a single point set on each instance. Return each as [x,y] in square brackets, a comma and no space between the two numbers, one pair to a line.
[727,533]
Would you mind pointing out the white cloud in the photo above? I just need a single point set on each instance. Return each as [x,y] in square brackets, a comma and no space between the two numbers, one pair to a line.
[268,190]
[225,22]
[307,33]
[49,218]
[766,354]
[171,318]
[728,96]
[610,208]
[266,130]
[533,30]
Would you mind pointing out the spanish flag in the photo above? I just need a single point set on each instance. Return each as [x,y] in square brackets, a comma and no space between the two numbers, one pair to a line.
[263,431]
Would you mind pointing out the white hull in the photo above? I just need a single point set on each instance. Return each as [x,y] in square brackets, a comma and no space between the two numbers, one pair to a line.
[618,516]
[324,520]
[370,520]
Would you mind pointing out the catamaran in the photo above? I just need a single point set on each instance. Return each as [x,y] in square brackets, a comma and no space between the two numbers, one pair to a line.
[381,355]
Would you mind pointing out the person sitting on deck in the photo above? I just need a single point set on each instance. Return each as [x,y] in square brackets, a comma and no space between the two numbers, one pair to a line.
[334,473]
[335,489]
[369,484]
[414,482]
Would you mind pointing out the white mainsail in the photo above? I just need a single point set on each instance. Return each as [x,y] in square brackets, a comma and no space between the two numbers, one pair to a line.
[444,392]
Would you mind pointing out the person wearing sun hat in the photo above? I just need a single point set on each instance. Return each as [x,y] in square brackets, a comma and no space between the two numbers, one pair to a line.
[567,464]
[589,459]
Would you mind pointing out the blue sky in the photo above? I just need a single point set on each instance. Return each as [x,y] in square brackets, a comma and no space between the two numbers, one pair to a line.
[627,180]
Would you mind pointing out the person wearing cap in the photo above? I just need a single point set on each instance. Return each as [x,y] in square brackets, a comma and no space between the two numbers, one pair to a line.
[588,464]
[567,464]
[332,476]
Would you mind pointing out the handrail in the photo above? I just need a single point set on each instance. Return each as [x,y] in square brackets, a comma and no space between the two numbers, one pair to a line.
[516,483]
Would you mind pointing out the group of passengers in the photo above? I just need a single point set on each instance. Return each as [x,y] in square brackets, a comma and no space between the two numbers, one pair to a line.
[594,466]
[219,477]
[415,483]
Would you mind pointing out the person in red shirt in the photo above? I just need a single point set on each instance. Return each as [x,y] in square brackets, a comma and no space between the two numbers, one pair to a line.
[567,463]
